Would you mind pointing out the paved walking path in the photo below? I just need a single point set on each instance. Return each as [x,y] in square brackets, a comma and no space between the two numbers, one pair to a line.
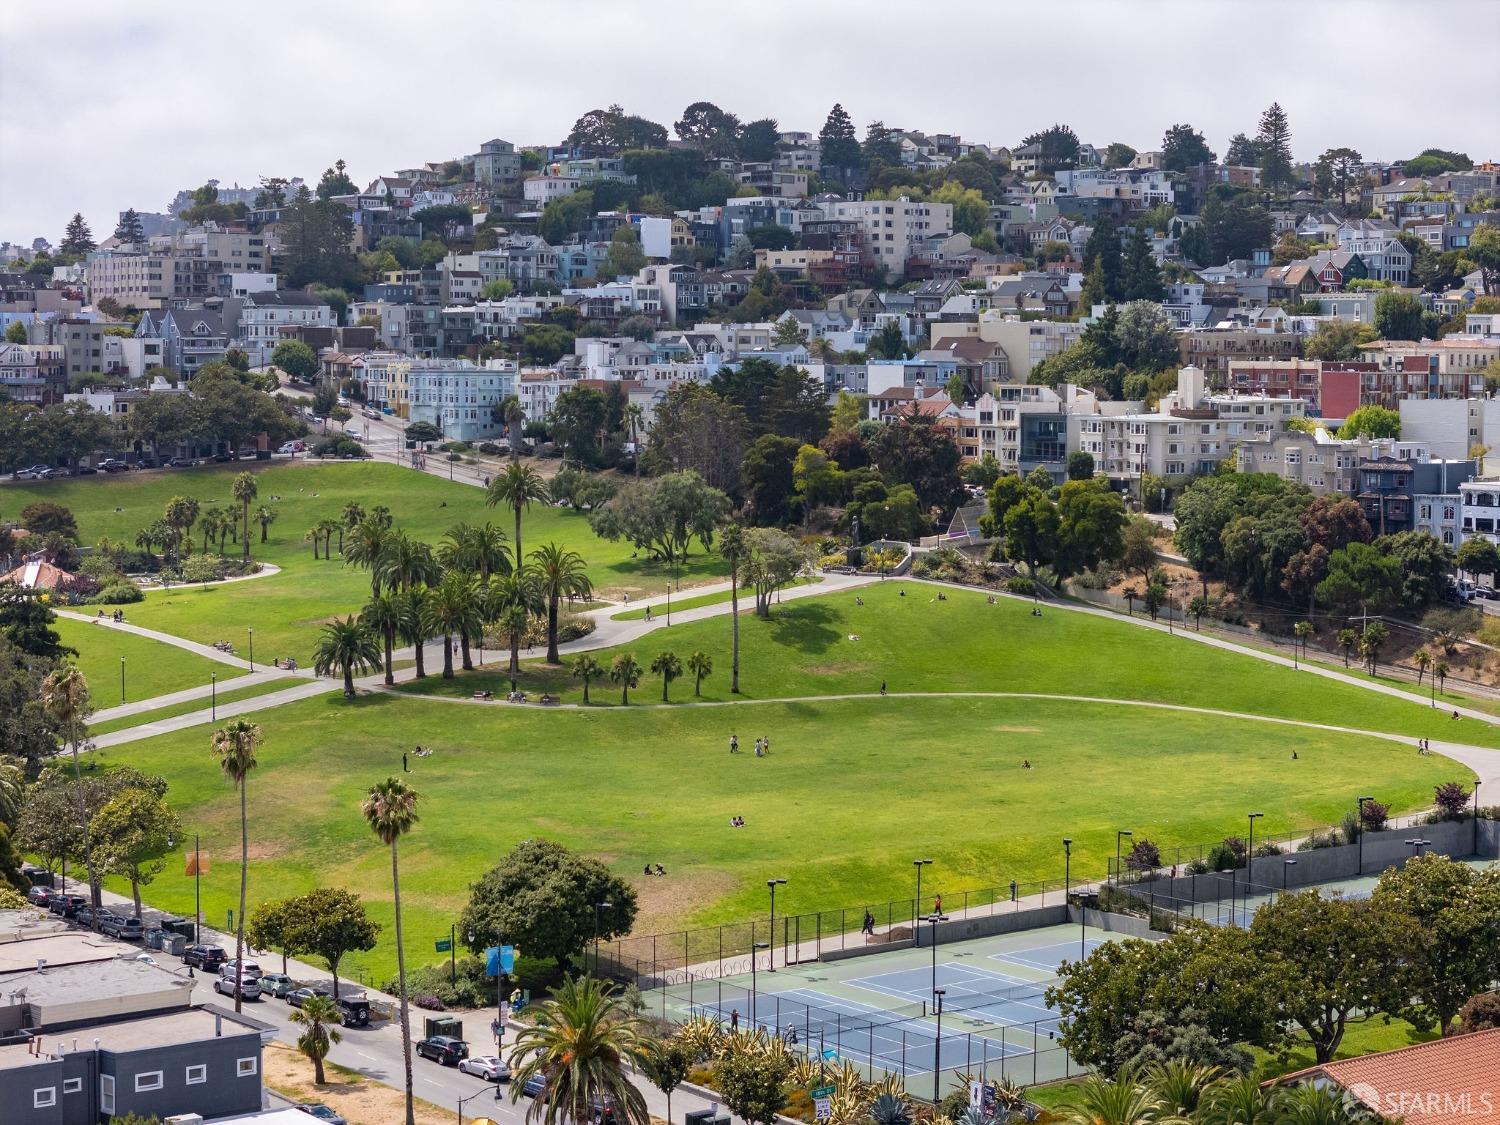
[207,651]
[187,695]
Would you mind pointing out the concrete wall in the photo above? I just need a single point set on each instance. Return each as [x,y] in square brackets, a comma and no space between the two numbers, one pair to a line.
[1127,925]
[1010,922]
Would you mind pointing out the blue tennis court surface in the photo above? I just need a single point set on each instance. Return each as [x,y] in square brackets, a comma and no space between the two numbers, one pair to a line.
[978,994]
[1049,958]
[859,1031]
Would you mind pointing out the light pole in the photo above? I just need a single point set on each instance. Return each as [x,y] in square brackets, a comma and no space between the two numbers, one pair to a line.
[252,650]
[937,1045]
[213,697]
[771,885]
[1250,862]
[1286,863]
[933,920]
[598,906]
[1360,816]
[197,887]
[122,681]
[916,905]
[755,947]
[470,1098]
[1118,834]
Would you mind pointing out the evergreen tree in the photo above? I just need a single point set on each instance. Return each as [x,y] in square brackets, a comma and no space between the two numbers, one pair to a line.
[1274,142]
[1142,276]
[129,228]
[1103,249]
[336,181]
[1243,152]
[1182,146]
[882,145]
[840,147]
[78,240]
[1093,292]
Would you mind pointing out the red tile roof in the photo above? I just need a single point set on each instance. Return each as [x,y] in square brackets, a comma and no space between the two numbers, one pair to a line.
[1454,1079]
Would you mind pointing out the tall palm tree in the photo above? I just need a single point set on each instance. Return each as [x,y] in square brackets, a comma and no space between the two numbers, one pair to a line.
[625,670]
[345,646]
[513,599]
[181,513]
[452,607]
[734,545]
[315,534]
[350,515]
[390,809]
[364,546]
[668,667]
[386,615]
[414,630]
[321,1017]
[582,1043]
[245,490]
[405,562]
[65,698]
[561,574]
[265,516]
[490,553]
[382,516]
[235,743]
[517,487]
[701,665]
[330,528]
[513,415]
[209,525]
[586,668]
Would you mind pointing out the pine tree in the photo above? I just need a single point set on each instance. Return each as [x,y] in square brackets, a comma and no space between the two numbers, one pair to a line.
[1142,280]
[1243,152]
[1103,250]
[1274,140]
[78,240]
[840,146]
[130,229]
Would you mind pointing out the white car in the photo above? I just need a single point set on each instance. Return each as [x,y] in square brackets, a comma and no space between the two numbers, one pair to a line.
[249,987]
[352,430]
[251,971]
[291,447]
[488,1067]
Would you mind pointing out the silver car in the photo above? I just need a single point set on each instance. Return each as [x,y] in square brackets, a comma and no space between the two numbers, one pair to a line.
[489,1067]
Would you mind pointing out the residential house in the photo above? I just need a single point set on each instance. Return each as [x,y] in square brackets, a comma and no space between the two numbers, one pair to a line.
[459,398]
[1025,343]
[190,337]
[1388,485]
[263,316]
[542,190]
[35,373]
[497,164]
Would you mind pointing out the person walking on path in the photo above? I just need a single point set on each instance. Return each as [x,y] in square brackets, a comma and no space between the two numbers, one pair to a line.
[937,904]
[869,926]
[404,767]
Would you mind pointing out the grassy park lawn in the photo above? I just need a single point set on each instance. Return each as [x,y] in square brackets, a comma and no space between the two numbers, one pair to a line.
[917,644]
[151,667]
[695,602]
[286,609]
[241,687]
[850,788]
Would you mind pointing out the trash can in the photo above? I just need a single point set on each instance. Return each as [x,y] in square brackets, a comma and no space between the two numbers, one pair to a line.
[173,944]
[152,938]
[180,926]
[444,1025]
[705,1117]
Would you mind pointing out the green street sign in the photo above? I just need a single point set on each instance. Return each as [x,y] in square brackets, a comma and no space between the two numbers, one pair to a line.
[821,1092]
[444,946]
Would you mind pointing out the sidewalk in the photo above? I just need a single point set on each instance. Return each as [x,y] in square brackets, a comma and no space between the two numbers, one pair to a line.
[207,651]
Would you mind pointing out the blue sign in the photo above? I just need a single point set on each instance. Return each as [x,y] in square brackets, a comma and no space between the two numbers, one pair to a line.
[831,1055]
[507,958]
[499,959]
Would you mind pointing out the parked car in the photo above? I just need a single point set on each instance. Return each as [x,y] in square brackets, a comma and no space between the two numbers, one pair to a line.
[126,929]
[297,996]
[56,474]
[86,470]
[204,956]
[1488,593]
[181,463]
[111,465]
[251,969]
[355,1011]
[40,896]
[489,1067]
[535,1086]
[443,1049]
[277,984]
[249,989]
[322,1113]
[32,472]
[88,916]
[291,447]
[66,905]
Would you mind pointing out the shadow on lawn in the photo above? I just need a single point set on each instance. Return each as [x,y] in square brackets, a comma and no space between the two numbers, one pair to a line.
[807,625]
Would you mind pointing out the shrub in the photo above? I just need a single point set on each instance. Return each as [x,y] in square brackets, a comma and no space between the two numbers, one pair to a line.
[118,593]
[1228,854]
[1018,585]
[1262,850]
[1320,840]
[489,448]
[1196,867]
[573,626]
[834,558]
[1144,855]
[1373,816]
[201,568]
[1450,798]
[1479,1013]
[81,586]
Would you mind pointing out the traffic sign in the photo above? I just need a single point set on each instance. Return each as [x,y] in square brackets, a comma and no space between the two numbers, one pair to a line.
[821,1092]
[822,1109]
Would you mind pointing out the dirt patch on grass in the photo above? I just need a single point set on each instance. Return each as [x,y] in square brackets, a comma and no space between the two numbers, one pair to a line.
[1016,730]
[664,901]
[347,1092]
[836,669]
[264,849]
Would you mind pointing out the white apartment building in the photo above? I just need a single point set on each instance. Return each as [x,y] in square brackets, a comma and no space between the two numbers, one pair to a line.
[263,315]
[893,228]
[1027,427]
[542,190]
[1451,427]
[458,397]
[1479,510]
[1326,464]
[537,391]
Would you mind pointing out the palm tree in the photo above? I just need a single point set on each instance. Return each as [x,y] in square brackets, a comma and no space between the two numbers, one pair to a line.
[1303,629]
[315,533]
[12,789]
[1117,1101]
[1238,1101]
[514,599]
[516,487]
[734,546]
[586,668]
[235,744]
[265,516]
[512,414]
[386,615]
[414,630]
[625,670]
[1440,670]
[209,525]
[668,667]
[391,811]
[452,607]
[321,1017]
[329,529]
[582,1043]
[181,513]
[245,490]
[1348,638]
[701,665]
[364,546]
[345,646]
[635,418]
[65,698]
[382,516]
[350,516]
[404,562]
[561,574]
[1179,1086]
[148,537]
[1313,1105]
[1423,659]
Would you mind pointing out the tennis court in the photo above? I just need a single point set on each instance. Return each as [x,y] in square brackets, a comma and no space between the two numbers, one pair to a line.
[977,994]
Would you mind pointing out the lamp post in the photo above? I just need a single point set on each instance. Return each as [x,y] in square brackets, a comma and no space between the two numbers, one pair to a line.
[1067,868]
[933,920]
[916,905]
[1118,834]
[1286,863]
[755,947]
[213,696]
[1250,862]
[598,906]
[771,885]
[937,1045]
[1360,816]
[252,650]
[197,887]
[122,681]
[470,1098]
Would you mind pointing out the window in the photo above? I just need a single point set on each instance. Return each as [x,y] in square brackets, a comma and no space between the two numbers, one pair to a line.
[44,1097]
[148,1080]
[244,1068]
[72,1085]
[106,1093]
[196,1074]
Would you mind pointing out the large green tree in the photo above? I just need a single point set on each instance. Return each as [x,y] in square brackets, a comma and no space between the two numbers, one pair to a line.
[1182,146]
[132,836]
[840,147]
[1273,141]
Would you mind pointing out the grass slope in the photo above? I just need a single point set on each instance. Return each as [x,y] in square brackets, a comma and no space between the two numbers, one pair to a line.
[151,667]
[285,610]
[916,644]
[851,788]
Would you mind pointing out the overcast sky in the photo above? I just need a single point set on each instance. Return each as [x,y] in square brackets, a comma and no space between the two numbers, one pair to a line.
[106,105]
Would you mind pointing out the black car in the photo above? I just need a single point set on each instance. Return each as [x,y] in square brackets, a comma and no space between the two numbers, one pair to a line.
[181,463]
[535,1086]
[444,1050]
[204,957]
[88,916]
[296,999]
[112,465]
[66,905]
[85,471]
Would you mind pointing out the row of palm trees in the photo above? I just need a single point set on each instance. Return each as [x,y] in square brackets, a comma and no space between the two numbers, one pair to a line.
[1180,1092]
[626,671]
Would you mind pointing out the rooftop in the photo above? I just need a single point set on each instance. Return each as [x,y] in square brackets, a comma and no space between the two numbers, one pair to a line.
[57,949]
[164,1030]
[74,983]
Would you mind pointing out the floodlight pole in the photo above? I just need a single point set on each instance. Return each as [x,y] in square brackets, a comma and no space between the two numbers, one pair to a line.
[937,1047]
[1359,815]
[1250,862]
[1118,834]
[772,884]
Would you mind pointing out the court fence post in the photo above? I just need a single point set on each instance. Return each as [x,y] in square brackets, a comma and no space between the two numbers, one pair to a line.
[686,961]
[903,1052]
[818,938]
